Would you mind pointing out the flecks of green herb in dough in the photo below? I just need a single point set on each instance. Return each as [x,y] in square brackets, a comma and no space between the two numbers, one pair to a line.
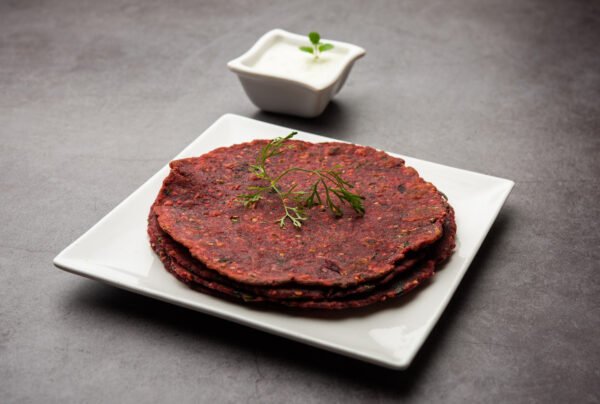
[332,266]
[248,298]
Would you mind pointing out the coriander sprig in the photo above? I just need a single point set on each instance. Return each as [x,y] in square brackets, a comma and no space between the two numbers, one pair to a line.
[335,187]
[317,46]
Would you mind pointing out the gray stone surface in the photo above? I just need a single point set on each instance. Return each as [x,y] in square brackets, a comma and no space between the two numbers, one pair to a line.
[96,96]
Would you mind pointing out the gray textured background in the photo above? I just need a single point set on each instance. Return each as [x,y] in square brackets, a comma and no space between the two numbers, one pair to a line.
[96,96]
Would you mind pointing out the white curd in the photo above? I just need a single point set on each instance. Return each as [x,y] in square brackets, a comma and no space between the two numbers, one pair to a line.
[284,59]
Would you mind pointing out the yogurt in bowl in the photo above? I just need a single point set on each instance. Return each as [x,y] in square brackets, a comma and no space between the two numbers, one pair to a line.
[278,77]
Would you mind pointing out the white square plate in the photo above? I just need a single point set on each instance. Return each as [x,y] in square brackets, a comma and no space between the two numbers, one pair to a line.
[116,251]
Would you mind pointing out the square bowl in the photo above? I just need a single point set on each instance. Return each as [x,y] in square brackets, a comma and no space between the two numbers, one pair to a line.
[278,77]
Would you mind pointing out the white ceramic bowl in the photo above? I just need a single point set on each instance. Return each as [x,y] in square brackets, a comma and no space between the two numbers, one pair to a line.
[278,77]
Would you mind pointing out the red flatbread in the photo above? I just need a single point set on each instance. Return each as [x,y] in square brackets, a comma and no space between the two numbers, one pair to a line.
[181,256]
[402,283]
[198,208]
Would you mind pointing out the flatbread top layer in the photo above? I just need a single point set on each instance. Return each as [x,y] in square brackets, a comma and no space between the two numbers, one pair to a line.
[198,207]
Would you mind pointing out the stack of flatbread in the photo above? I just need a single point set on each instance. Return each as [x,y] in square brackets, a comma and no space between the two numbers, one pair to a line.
[209,240]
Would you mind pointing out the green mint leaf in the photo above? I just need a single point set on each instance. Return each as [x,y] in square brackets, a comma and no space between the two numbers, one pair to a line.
[314,37]
[308,49]
[325,47]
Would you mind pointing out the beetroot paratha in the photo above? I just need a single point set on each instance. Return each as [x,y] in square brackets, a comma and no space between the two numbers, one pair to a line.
[401,284]
[181,256]
[198,208]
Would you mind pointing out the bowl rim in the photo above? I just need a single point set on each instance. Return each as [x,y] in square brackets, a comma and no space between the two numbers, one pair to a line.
[237,65]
